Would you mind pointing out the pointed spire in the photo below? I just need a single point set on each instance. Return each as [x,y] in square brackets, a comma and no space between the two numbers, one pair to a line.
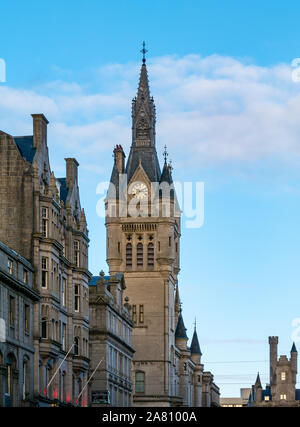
[195,347]
[258,382]
[294,350]
[143,88]
[180,329]
[143,131]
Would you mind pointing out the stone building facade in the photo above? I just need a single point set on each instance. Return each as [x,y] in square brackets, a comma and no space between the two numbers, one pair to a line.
[17,300]
[281,391]
[110,341]
[42,220]
[143,242]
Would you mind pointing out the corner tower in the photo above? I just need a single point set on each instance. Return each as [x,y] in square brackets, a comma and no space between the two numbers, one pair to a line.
[143,238]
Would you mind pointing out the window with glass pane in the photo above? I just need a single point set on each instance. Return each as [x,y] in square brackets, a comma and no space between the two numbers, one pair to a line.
[128,255]
[150,255]
[140,382]
[45,219]
[44,272]
[139,255]
[27,318]
[76,253]
[76,298]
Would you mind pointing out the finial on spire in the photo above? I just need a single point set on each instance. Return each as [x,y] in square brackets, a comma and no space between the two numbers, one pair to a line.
[144,51]
[165,154]
[195,324]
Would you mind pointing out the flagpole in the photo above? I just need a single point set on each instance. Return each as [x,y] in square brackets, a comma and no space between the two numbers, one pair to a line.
[49,383]
[88,381]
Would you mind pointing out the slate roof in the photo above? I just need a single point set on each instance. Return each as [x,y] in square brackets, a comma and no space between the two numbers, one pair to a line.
[195,347]
[63,189]
[180,329]
[293,350]
[25,145]
[94,280]
[166,175]
[258,382]
[149,162]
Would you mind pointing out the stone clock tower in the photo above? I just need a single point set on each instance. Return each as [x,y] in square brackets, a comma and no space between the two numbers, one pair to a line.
[143,241]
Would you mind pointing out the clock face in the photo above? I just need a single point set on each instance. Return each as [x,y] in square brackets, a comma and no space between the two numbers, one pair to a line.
[140,190]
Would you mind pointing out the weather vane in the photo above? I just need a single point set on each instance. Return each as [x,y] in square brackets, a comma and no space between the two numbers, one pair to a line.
[165,154]
[144,51]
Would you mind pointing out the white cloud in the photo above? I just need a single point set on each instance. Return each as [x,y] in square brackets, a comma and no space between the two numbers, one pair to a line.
[212,110]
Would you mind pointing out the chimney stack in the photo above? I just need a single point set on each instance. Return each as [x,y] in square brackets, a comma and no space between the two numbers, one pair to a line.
[72,172]
[119,158]
[39,130]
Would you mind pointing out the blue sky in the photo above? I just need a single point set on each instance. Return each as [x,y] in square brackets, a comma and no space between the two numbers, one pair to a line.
[228,110]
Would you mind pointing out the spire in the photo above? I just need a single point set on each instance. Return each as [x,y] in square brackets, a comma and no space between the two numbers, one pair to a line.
[180,329]
[166,175]
[294,350]
[143,130]
[195,347]
[258,382]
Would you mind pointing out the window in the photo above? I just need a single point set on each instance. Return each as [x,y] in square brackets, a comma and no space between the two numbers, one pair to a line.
[139,255]
[150,255]
[76,346]
[129,255]
[27,318]
[12,309]
[140,382]
[64,289]
[45,222]
[170,241]
[283,397]
[64,336]
[141,314]
[77,298]
[134,319]
[44,272]
[44,327]
[9,381]
[283,376]
[77,253]
[267,398]
[25,378]
[10,266]
[25,276]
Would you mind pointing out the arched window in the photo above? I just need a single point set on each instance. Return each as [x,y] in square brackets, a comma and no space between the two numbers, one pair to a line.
[26,377]
[140,382]
[9,380]
[76,346]
[139,255]
[150,255]
[64,387]
[129,255]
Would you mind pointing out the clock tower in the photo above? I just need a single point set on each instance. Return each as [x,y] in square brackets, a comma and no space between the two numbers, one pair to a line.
[143,242]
